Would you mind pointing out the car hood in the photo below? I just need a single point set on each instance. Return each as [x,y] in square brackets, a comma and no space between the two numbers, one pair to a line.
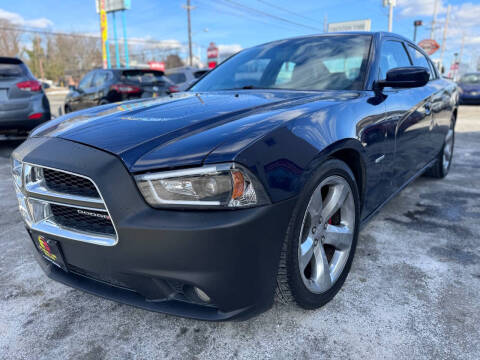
[469,87]
[178,130]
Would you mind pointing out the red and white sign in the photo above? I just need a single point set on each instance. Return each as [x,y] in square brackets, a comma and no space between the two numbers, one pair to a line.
[429,45]
[157,65]
[212,55]
[212,51]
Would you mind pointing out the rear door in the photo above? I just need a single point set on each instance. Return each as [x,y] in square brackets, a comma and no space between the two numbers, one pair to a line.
[440,102]
[410,112]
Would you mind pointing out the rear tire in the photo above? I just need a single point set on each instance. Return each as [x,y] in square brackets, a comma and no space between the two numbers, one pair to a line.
[444,159]
[331,240]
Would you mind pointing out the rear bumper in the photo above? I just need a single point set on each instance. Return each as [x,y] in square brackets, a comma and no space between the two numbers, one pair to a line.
[231,255]
[8,124]
[14,114]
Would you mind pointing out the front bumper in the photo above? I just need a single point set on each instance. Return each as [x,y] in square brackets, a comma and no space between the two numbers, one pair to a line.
[232,255]
[468,99]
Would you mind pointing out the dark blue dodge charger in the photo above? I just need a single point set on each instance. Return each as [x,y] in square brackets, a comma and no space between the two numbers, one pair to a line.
[251,185]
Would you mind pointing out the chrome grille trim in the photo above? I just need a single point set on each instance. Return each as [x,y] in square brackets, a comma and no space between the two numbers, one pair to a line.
[40,193]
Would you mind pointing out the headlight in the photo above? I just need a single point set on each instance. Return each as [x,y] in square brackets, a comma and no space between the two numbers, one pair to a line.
[224,185]
[17,172]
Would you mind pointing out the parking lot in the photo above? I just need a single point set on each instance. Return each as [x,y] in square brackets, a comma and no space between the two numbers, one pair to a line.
[413,292]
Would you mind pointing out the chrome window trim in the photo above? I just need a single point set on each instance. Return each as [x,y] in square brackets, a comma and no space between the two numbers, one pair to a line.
[51,228]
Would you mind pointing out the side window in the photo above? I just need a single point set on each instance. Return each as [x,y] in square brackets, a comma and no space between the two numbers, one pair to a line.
[420,60]
[285,73]
[433,70]
[85,83]
[100,78]
[393,55]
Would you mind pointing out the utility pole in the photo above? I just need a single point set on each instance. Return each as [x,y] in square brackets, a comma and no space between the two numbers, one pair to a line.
[461,49]
[390,16]
[445,28]
[434,19]
[190,54]
[391,4]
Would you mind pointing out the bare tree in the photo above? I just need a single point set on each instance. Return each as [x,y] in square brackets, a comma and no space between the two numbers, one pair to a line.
[10,37]
[173,61]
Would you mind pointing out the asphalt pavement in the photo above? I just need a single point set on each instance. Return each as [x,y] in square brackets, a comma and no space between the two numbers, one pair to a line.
[413,291]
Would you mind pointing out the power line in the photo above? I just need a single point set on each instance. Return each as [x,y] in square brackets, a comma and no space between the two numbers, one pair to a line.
[263,13]
[233,11]
[286,10]
[75,35]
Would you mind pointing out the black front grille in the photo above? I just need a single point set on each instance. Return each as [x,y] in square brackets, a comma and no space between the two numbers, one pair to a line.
[83,220]
[69,184]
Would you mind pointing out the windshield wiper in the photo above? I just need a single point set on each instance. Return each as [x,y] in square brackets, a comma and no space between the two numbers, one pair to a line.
[249,87]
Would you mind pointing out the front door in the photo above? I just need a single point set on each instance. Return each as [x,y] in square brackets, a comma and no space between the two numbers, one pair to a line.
[410,113]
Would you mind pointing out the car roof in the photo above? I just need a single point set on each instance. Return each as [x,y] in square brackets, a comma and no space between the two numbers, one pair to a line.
[379,34]
[10,60]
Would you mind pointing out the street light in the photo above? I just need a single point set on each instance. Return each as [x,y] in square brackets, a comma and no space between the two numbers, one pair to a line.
[416,24]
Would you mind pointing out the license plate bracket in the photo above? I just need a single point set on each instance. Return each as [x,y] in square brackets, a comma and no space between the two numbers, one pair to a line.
[50,250]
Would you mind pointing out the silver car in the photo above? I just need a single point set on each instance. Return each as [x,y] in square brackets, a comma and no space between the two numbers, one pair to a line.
[185,76]
[23,103]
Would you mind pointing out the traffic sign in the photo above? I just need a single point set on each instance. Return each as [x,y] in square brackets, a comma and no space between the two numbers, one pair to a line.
[429,45]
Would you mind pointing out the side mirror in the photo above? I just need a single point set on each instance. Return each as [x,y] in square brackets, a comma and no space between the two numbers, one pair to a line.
[405,77]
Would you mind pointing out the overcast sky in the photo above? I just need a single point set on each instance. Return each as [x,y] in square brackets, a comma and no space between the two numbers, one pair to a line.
[234,25]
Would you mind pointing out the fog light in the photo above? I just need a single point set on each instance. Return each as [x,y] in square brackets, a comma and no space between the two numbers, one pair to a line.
[201,294]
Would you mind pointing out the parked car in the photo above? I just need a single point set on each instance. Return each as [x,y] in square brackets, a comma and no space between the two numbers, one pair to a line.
[185,76]
[104,86]
[207,203]
[469,87]
[23,103]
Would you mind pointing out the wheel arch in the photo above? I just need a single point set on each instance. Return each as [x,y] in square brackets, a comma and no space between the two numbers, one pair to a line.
[351,152]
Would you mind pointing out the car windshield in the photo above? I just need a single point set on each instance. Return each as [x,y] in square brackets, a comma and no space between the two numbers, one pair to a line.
[336,62]
[470,79]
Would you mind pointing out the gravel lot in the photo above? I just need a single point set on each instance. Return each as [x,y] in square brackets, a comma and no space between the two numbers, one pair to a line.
[413,292]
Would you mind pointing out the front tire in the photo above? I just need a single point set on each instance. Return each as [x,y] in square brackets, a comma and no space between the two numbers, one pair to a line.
[321,239]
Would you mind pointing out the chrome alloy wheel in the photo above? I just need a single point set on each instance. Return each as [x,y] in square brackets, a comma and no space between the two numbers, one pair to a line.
[327,234]
[447,150]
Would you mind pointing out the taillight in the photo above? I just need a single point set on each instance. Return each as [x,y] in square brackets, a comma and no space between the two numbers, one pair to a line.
[30,85]
[125,89]
[35,116]
[173,89]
